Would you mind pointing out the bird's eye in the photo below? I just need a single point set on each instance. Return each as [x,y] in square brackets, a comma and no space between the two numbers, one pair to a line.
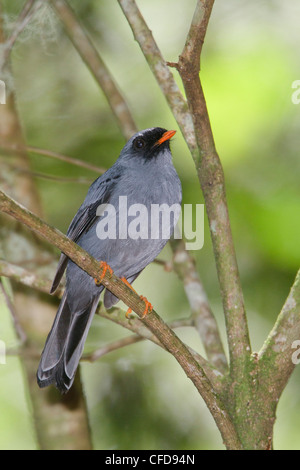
[139,143]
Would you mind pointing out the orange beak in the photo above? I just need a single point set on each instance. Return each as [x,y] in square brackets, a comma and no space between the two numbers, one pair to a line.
[166,136]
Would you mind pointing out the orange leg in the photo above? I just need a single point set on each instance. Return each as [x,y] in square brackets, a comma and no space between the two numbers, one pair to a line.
[148,306]
[105,267]
[123,279]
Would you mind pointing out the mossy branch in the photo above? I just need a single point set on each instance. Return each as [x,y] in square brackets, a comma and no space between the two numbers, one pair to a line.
[276,356]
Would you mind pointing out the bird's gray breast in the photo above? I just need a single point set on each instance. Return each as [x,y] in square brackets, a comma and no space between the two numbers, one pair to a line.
[137,222]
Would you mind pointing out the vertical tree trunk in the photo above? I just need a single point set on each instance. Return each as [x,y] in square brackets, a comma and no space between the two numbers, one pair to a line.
[60,422]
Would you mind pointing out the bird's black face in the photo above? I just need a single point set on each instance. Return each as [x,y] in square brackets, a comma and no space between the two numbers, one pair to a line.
[149,143]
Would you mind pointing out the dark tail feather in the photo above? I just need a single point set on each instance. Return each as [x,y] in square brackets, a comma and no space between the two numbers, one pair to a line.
[62,264]
[64,346]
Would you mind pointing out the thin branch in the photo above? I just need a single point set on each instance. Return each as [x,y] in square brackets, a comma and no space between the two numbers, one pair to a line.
[18,328]
[42,284]
[29,10]
[116,315]
[275,358]
[211,177]
[25,277]
[144,334]
[137,326]
[161,71]
[47,176]
[60,179]
[121,343]
[202,316]
[93,60]
[156,325]
[179,107]
[65,158]
[195,122]
[49,153]
[128,340]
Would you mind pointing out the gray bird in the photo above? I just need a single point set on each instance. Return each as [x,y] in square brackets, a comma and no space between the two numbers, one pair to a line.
[144,177]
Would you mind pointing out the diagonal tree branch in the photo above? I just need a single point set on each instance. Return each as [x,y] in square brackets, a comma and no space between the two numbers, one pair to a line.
[25,277]
[143,334]
[14,149]
[155,324]
[28,11]
[42,284]
[117,315]
[139,336]
[275,358]
[94,62]
[18,328]
[202,316]
[37,174]
[160,70]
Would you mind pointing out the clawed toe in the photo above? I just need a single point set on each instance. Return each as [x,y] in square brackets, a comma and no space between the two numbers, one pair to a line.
[105,267]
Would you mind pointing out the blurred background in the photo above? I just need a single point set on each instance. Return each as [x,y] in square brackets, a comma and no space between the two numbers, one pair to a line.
[138,397]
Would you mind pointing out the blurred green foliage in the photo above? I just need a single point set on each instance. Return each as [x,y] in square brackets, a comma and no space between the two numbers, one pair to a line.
[138,398]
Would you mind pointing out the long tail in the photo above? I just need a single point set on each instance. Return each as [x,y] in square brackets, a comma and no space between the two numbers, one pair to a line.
[64,345]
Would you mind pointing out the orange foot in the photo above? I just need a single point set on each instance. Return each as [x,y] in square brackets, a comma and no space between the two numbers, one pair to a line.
[123,279]
[105,267]
[148,306]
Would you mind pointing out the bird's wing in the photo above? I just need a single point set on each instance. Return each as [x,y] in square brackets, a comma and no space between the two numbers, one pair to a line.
[99,193]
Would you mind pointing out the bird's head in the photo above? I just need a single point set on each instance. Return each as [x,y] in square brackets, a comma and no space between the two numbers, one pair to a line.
[148,144]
